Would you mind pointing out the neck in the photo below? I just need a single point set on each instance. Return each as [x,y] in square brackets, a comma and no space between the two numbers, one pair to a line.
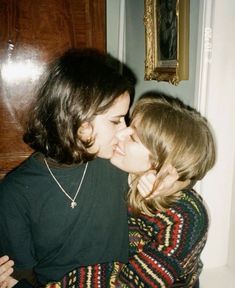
[54,163]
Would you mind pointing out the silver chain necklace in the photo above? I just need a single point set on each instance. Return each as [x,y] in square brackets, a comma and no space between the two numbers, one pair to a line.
[73,202]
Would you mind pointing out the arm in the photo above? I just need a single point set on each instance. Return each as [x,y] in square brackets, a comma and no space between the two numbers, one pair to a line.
[166,247]
[97,275]
[149,268]
[16,240]
[150,264]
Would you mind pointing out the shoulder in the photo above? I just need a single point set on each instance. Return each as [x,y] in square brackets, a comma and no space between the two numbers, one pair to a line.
[191,204]
[105,167]
[27,167]
[190,217]
[191,212]
[186,220]
[189,207]
[21,178]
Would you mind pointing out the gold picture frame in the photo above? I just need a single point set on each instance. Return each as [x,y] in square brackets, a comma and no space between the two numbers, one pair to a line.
[166,40]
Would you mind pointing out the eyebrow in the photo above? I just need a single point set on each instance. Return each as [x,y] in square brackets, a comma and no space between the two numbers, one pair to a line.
[118,116]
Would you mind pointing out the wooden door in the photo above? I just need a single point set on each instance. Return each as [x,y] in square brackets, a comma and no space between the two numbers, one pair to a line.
[31,34]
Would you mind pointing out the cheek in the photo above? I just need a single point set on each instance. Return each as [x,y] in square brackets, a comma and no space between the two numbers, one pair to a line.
[108,133]
[131,154]
[105,135]
[131,159]
[139,158]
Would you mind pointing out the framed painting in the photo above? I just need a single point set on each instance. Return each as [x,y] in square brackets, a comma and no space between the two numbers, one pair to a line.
[166,40]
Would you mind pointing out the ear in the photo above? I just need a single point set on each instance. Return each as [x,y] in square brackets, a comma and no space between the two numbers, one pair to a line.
[85,131]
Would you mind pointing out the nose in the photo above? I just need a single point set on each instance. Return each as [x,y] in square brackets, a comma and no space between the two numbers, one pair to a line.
[122,125]
[122,134]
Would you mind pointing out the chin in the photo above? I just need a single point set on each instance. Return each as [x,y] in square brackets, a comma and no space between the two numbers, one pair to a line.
[105,155]
[119,164]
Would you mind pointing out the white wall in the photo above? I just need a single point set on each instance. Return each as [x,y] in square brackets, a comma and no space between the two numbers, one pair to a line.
[231,254]
[113,26]
[216,100]
[231,251]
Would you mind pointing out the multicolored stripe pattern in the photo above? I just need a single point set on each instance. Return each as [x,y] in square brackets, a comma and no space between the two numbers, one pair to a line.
[164,251]
[96,276]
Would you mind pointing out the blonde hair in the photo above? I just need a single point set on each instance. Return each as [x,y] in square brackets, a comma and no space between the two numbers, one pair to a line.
[174,134]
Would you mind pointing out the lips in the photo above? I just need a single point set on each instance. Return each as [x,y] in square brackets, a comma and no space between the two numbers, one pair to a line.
[118,150]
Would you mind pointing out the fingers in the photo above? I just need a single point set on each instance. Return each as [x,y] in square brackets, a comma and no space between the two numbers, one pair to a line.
[4,275]
[3,259]
[3,284]
[146,183]
[168,178]
[5,269]
[179,185]
[163,182]
[5,264]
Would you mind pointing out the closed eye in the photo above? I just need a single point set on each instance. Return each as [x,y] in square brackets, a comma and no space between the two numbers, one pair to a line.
[133,138]
[116,122]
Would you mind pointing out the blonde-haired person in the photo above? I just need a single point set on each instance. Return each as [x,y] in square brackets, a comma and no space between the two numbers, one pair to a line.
[175,135]
[167,233]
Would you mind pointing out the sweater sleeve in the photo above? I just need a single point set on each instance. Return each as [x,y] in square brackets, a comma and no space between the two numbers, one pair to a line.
[149,268]
[16,238]
[166,248]
[97,275]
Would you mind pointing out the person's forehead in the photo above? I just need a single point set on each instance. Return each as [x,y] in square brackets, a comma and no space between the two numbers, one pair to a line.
[120,106]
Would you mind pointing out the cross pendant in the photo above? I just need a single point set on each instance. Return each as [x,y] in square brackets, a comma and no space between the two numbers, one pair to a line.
[73,204]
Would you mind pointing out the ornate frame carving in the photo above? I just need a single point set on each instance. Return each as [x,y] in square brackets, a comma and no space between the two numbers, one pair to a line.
[163,64]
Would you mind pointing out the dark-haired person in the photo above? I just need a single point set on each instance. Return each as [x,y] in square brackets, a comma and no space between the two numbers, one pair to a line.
[59,210]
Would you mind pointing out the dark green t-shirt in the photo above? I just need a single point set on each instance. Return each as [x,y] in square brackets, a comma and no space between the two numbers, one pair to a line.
[39,229]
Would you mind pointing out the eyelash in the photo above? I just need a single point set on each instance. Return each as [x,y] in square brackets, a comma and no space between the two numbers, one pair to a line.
[116,122]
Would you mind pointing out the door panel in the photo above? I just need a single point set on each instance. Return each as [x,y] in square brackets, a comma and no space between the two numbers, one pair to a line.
[31,34]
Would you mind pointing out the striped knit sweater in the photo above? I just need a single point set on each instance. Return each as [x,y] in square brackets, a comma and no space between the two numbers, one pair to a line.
[164,251]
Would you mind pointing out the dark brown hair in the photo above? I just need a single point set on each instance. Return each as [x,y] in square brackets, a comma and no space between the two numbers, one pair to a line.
[78,85]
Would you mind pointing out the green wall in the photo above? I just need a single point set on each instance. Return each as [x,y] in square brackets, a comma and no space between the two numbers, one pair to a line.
[135,47]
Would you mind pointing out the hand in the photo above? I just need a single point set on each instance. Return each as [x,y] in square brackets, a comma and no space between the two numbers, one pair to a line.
[6,281]
[165,182]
